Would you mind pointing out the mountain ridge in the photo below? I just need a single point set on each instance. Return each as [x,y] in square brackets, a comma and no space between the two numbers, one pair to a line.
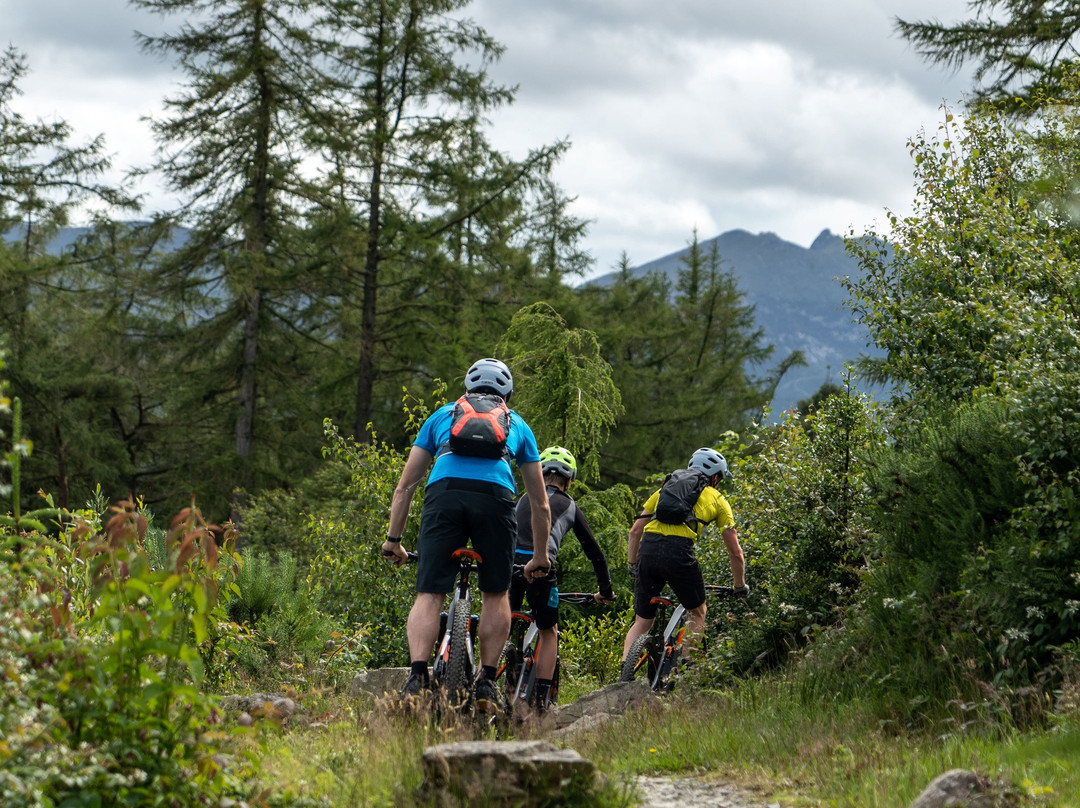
[797,297]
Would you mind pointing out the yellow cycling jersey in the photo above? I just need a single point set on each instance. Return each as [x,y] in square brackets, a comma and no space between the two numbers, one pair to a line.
[711,507]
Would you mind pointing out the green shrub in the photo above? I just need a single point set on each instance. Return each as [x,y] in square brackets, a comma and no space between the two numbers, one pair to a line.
[260,584]
[101,705]
[590,649]
[799,501]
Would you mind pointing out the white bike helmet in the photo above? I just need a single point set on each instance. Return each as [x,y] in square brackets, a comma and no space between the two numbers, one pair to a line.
[491,375]
[709,461]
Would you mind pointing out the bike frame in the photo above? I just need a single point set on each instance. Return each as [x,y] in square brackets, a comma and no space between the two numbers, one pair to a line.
[671,640]
[455,657]
[525,686]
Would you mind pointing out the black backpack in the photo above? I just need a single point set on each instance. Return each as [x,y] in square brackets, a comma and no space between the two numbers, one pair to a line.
[479,426]
[678,495]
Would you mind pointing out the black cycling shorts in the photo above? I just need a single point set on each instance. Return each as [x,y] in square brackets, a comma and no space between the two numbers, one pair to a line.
[667,560]
[457,512]
[543,596]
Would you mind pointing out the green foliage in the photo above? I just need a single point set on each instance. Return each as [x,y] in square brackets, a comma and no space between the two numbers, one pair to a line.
[274,521]
[977,289]
[260,584]
[100,704]
[799,499]
[1019,49]
[976,307]
[684,359]
[562,385]
[610,512]
[286,638]
[355,583]
[943,514]
[590,649]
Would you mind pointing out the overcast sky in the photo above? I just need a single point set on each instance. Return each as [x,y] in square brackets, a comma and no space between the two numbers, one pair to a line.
[786,116]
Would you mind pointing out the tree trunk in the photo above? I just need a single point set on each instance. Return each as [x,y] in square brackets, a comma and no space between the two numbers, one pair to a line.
[255,249]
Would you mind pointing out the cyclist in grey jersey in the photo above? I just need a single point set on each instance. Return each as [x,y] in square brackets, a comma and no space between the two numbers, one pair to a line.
[559,469]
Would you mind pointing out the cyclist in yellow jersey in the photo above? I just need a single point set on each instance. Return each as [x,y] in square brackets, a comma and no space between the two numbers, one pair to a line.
[661,552]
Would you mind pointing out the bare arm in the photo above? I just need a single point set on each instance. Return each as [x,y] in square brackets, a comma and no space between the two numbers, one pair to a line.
[633,541]
[735,557]
[416,466]
[533,478]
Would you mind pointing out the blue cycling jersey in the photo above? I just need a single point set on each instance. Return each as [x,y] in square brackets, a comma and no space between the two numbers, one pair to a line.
[520,445]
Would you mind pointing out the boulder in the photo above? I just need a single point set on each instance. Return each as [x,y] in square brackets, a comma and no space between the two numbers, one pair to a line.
[378,682]
[611,700]
[957,788]
[510,773]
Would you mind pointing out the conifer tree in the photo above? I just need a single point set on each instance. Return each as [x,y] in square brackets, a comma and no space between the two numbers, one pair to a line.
[1021,49]
[232,145]
[49,319]
[684,360]
[410,155]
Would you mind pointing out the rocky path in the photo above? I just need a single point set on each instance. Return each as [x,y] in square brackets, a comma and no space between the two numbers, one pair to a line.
[692,792]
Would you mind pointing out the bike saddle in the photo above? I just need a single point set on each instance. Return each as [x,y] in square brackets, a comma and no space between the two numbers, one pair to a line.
[465,552]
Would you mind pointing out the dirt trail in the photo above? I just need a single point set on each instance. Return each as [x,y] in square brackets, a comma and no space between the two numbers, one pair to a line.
[692,792]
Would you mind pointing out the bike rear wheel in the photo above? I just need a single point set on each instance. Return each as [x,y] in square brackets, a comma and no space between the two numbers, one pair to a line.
[640,659]
[459,673]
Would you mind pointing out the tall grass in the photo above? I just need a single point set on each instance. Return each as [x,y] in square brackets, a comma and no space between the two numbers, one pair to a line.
[763,735]
[837,753]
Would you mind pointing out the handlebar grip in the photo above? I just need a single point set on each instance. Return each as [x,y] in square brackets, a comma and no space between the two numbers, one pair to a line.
[725,591]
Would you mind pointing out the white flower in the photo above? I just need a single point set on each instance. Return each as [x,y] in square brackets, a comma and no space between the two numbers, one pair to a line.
[1014,634]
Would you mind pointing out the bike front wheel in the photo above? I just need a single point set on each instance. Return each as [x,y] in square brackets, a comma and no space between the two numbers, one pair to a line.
[509,669]
[640,659]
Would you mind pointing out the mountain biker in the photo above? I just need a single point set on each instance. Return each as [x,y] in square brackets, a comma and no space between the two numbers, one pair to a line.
[467,498]
[660,552]
[559,469]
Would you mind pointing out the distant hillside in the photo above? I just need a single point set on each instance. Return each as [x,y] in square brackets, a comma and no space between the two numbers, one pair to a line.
[798,302]
[797,299]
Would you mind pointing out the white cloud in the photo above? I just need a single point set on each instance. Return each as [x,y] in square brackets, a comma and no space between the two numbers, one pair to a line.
[783,115]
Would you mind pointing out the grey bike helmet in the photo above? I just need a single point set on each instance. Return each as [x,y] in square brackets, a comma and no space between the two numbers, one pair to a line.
[709,461]
[489,374]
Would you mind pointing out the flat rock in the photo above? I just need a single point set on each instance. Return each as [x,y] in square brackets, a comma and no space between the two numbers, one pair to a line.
[495,773]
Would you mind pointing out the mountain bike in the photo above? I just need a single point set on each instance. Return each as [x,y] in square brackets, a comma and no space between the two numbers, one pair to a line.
[455,654]
[517,666]
[657,653]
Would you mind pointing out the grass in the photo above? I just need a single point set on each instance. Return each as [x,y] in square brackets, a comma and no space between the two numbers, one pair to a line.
[760,735]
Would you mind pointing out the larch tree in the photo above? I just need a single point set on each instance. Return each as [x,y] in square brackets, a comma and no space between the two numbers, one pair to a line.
[48,317]
[232,146]
[413,162]
[1020,49]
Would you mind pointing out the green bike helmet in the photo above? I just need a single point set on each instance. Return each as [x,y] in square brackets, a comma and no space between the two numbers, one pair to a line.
[558,460]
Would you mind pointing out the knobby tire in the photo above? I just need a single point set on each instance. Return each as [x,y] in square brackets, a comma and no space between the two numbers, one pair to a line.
[510,669]
[527,681]
[641,657]
[458,669]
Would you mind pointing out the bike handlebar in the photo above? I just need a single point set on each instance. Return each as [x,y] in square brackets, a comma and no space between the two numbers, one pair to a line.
[577,598]
[722,591]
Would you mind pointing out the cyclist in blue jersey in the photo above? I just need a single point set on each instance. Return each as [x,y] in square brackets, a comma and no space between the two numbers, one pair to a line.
[560,468]
[468,498]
